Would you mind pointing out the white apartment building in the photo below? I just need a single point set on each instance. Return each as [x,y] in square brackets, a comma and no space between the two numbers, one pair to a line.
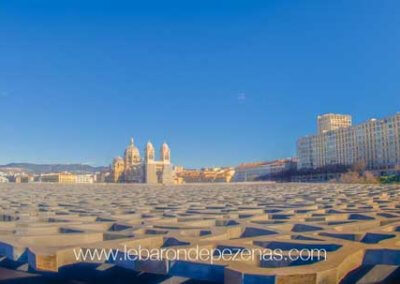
[375,142]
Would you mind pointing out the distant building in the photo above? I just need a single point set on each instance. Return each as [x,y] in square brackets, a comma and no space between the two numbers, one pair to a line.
[66,178]
[3,179]
[104,176]
[253,171]
[206,175]
[375,143]
[88,178]
[132,169]
[21,178]
[331,121]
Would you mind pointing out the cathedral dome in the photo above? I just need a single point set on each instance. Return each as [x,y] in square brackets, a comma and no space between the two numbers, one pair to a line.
[132,154]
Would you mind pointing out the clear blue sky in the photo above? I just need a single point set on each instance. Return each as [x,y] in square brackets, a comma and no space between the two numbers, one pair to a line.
[221,81]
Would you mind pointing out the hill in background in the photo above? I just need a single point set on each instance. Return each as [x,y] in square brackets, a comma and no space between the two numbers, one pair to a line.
[50,168]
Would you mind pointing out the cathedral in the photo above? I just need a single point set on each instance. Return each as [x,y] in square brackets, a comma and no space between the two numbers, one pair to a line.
[133,169]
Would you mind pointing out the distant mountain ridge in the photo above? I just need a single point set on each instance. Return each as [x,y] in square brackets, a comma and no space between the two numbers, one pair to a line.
[48,168]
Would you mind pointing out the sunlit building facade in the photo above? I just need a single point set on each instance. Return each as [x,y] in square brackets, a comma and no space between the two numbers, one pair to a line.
[224,174]
[65,178]
[85,178]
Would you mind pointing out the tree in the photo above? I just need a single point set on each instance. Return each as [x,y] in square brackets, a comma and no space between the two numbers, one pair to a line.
[354,177]
[359,167]
[350,177]
[370,178]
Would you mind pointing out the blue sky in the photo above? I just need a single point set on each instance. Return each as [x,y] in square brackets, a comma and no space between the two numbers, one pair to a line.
[221,81]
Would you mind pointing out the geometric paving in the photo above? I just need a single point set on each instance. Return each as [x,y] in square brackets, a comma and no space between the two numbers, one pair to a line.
[352,230]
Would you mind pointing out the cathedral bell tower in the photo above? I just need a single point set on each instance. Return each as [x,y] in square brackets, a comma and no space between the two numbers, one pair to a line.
[150,167]
[165,154]
[149,152]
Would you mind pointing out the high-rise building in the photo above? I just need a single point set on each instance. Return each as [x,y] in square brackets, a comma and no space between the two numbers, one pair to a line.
[332,121]
[133,169]
[375,143]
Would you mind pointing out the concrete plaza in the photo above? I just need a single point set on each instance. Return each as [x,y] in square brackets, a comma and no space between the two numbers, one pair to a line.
[42,226]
